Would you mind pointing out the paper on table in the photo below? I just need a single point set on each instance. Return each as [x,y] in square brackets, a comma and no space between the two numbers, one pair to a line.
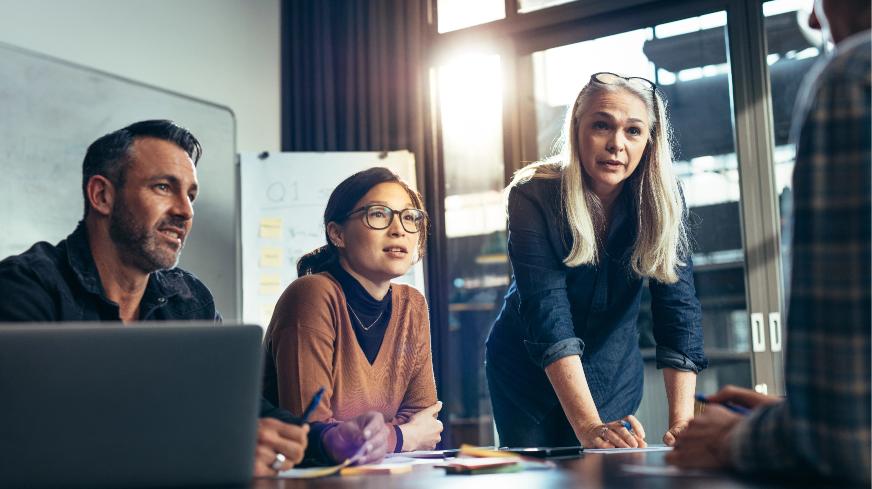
[270,227]
[382,468]
[270,257]
[420,454]
[314,472]
[415,461]
[481,465]
[628,450]
[270,284]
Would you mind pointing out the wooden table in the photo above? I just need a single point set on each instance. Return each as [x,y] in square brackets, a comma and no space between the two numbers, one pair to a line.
[593,470]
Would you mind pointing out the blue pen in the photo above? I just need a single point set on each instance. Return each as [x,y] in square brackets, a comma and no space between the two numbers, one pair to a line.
[316,399]
[702,399]
[627,425]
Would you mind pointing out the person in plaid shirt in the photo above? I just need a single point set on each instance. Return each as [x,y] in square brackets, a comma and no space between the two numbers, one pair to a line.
[822,428]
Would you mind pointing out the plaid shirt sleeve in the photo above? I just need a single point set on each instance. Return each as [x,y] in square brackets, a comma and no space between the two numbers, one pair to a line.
[823,427]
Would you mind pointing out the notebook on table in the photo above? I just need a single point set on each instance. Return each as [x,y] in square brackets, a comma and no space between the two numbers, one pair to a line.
[106,405]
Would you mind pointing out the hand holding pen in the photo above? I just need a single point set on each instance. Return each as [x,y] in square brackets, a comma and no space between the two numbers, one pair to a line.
[701,401]
[738,397]
[362,439]
[623,433]
[316,399]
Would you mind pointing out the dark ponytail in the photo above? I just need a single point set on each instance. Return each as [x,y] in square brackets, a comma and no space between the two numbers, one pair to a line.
[342,201]
[317,260]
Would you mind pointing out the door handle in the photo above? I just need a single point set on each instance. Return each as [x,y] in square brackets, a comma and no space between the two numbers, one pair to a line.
[758,340]
[775,331]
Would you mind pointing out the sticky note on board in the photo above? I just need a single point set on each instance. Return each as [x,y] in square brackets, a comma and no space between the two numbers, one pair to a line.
[266,312]
[270,284]
[270,227]
[270,257]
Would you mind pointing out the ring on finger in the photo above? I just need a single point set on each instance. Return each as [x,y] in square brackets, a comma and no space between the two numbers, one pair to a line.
[603,433]
[277,463]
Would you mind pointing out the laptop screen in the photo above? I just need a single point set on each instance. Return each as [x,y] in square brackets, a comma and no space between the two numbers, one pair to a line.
[145,405]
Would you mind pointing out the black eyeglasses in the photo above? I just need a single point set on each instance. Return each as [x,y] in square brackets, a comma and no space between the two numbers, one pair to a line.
[608,78]
[381,216]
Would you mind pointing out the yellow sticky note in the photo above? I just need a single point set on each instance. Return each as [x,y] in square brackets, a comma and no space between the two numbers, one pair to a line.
[270,257]
[266,312]
[270,284]
[270,227]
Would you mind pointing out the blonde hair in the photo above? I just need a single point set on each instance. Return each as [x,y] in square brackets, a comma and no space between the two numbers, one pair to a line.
[661,239]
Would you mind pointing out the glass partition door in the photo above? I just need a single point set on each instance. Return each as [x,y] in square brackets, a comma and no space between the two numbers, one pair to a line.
[791,50]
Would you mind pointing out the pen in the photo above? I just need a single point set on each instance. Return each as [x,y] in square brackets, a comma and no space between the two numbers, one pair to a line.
[316,399]
[359,454]
[701,399]
[627,425]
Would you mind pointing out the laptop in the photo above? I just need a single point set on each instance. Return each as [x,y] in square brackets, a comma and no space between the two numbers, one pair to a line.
[152,405]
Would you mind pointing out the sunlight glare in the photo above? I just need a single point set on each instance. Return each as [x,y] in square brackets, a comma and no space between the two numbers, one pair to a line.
[691,24]
[776,7]
[712,20]
[808,53]
[562,71]
[457,14]
[690,74]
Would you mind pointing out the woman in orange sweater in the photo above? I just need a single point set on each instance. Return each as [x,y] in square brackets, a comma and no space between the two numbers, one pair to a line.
[345,326]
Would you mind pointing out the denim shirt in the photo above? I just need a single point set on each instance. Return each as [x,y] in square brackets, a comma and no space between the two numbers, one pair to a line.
[61,283]
[552,311]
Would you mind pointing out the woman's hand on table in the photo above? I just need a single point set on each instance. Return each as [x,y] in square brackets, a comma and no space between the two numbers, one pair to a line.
[614,434]
[705,444]
[675,432]
[423,431]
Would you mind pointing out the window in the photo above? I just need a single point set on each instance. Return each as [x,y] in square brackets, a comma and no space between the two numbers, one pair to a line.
[475,221]
[457,14]
[525,6]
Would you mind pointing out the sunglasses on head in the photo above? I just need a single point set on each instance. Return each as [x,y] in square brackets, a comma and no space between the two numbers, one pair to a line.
[608,78]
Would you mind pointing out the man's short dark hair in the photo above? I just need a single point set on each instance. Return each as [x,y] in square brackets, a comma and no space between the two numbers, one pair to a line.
[109,156]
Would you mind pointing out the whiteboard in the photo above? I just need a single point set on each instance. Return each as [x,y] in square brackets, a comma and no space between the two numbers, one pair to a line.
[283,200]
[51,110]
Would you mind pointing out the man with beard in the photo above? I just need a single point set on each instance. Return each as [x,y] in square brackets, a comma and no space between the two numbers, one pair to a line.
[139,185]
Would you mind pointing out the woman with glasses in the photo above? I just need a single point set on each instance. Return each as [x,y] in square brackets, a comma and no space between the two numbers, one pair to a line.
[344,325]
[586,227]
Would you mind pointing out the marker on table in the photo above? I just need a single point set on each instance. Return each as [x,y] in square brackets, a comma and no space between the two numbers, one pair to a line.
[627,425]
[316,399]
[701,402]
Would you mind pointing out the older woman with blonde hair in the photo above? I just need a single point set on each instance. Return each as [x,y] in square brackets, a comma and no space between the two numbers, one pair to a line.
[586,227]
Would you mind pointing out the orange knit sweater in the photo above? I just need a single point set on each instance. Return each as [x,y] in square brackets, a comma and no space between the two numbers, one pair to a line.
[310,343]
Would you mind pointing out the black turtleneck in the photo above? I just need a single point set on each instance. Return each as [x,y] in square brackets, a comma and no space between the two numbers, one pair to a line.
[369,317]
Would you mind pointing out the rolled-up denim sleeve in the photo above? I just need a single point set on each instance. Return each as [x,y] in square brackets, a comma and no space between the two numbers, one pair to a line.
[540,277]
[677,329]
